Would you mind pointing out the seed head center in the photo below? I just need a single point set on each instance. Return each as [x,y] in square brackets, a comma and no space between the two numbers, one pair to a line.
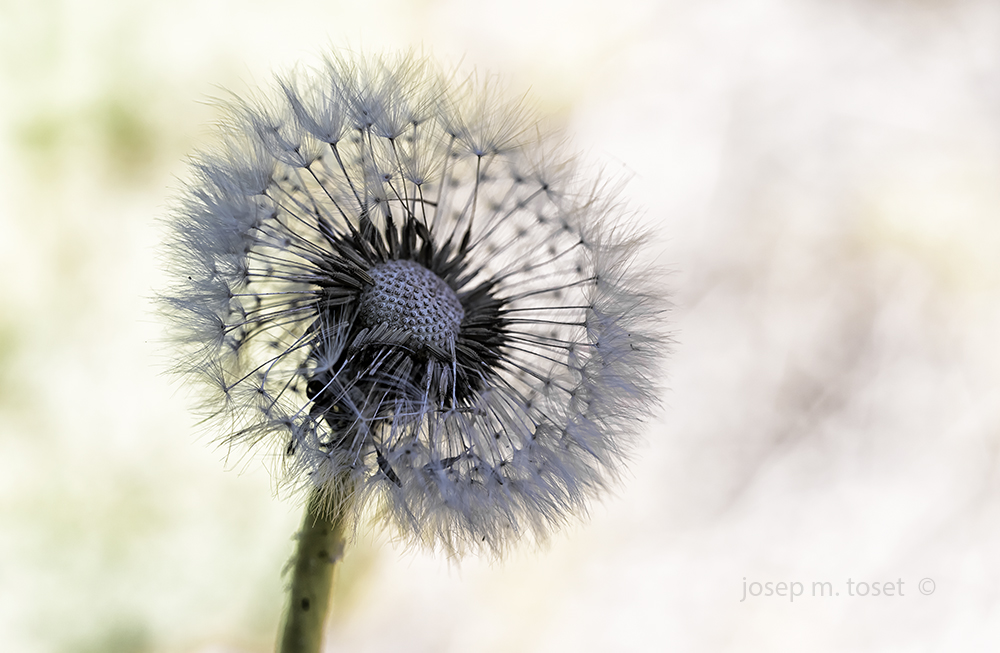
[409,297]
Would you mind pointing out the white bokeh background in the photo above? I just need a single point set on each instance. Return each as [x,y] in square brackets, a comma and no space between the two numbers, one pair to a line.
[822,177]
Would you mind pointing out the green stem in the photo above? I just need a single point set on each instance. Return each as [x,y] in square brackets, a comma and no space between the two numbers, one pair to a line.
[320,547]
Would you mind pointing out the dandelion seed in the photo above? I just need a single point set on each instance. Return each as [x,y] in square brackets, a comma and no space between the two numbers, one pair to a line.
[400,288]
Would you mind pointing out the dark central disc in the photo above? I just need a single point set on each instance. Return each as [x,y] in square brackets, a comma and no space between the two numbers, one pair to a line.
[409,297]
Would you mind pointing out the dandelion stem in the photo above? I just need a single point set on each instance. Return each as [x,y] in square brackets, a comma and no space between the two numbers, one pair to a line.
[320,547]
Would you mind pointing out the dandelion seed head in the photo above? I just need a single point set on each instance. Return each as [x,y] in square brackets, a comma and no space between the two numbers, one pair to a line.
[388,275]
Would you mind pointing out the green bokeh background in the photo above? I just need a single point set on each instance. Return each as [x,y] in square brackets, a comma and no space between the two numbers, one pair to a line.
[822,178]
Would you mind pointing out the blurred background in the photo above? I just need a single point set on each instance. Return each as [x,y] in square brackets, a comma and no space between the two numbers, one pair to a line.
[822,177]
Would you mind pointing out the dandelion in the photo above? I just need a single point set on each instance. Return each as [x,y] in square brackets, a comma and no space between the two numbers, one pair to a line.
[398,288]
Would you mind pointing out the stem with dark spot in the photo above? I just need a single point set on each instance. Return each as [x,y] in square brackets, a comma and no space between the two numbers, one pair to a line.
[320,547]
